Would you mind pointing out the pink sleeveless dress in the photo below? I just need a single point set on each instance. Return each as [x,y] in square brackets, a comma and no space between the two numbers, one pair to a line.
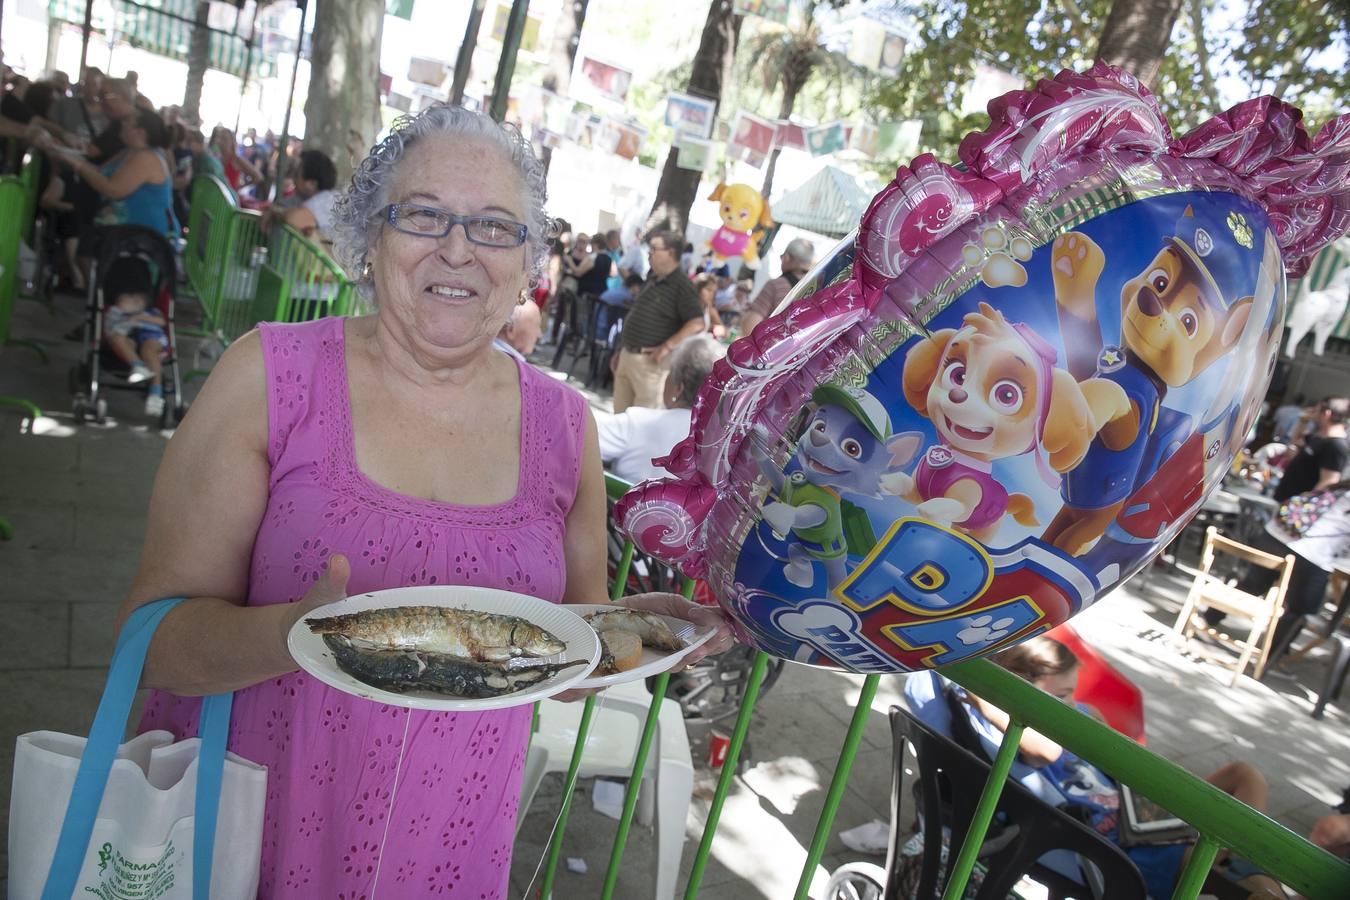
[348,802]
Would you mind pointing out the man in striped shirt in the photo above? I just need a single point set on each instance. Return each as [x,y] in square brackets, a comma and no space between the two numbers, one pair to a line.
[663,314]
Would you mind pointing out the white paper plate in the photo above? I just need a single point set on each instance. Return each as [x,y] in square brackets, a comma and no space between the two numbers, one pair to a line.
[653,662]
[313,655]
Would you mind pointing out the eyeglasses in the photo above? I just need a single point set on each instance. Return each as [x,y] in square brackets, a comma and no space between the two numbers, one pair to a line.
[652,248]
[428,221]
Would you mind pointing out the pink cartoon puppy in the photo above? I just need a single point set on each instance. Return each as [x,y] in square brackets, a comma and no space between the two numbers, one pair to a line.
[992,392]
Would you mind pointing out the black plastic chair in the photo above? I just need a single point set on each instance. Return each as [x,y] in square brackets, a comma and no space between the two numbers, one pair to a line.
[950,779]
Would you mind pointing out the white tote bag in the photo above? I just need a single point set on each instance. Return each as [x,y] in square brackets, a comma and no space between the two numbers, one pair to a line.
[128,821]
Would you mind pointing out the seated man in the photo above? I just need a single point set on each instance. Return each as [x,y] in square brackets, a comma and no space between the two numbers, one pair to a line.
[315,181]
[630,440]
[521,332]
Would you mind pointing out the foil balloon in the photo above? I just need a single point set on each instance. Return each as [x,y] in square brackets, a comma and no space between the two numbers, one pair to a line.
[1009,389]
[745,215]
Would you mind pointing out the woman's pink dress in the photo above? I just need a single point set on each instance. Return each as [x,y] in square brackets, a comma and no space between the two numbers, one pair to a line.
[342,809]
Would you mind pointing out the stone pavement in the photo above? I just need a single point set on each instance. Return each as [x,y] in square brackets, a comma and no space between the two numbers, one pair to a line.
[76,497]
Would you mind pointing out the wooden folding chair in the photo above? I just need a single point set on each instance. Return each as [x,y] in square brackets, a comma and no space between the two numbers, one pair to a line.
[1214,593]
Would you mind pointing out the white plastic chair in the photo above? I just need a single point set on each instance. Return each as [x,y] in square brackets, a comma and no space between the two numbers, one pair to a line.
[616,726]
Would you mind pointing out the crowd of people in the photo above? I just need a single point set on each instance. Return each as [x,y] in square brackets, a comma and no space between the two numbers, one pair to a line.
[109,157]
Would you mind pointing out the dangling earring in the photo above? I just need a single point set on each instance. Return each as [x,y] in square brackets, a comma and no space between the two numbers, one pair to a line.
[367,271]
[524,297]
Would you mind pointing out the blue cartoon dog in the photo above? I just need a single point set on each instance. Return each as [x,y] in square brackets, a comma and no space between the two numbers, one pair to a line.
[1179,315]
[846,447]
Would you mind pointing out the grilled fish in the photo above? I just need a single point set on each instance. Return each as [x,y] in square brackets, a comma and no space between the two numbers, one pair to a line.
[414,670]
[652,629]
[467,634]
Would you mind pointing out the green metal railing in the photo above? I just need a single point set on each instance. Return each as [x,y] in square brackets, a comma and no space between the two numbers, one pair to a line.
[13,194]
[299,282]
[1222,821]
[243,276]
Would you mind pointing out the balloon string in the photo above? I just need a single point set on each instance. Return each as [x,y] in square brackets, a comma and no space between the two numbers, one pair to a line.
[393,794]
[567,792]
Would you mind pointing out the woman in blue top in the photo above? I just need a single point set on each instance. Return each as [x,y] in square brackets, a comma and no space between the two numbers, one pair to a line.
[138,180]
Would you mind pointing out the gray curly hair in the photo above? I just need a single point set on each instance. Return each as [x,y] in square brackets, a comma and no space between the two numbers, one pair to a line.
[356,221]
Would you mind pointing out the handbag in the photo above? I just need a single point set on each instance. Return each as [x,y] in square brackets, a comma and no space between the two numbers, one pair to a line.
[133,809]
[1298,514]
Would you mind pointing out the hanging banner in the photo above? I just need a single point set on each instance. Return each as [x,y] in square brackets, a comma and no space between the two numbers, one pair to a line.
[399,9]
[597,79]
[690,115]
[790,136]
[693,153]
[898,141]
[826,139]
[623,139]
[751,138]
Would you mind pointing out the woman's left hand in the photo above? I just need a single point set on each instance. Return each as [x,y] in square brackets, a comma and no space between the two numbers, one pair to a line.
[677,607]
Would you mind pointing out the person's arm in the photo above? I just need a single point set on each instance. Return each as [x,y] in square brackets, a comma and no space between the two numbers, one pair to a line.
[761,307]
[129,176]
[184,176]
[585,549]
[1326,478]
[1036,749]
[687,330]
[247,167]
[1332,833]
[199,541]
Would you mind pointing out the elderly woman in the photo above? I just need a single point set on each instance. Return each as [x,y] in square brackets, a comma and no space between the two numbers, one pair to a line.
[352,455]
[630,440]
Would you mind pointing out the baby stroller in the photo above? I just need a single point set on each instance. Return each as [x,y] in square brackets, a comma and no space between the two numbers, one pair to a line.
[116,251]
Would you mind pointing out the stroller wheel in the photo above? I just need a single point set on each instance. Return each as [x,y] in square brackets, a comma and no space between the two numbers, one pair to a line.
[100,411]
[80,409]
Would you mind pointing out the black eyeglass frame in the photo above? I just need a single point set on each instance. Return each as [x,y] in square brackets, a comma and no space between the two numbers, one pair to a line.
[520,231]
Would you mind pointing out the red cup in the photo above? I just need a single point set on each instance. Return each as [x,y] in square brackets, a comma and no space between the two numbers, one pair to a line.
[718,744]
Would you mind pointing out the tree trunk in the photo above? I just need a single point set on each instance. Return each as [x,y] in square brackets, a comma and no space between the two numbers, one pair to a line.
[199,51]
[342,112]
[678,188]
[562,53]
[790,91]
[1136,35]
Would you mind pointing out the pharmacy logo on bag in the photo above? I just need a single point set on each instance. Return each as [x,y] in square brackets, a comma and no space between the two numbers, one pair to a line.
[130,880]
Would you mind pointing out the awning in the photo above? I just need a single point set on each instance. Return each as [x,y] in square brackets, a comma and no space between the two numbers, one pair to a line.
[830,203]
[164,27]
[1330,260]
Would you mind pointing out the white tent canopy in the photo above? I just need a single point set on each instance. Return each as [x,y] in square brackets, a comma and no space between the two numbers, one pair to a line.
[831,202]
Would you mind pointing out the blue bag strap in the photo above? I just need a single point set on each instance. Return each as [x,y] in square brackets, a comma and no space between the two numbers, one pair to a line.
[213,728]
[105,736]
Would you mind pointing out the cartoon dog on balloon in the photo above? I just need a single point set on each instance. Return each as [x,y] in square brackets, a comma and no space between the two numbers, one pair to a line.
[993,392]
[1179,315]
[846,447]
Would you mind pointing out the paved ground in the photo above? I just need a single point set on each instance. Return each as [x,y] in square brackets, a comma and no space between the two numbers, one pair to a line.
[76,498]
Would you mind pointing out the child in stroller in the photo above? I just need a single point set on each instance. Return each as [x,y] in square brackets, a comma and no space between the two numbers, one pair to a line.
[128,329]
[133,332]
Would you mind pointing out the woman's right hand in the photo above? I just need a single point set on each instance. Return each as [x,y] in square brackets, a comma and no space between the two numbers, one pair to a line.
[330,588]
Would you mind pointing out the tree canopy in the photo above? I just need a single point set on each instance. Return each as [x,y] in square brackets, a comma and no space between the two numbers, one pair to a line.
[1295,49]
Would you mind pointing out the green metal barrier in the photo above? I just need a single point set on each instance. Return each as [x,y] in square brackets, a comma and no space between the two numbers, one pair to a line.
[11,230]
[299,283]
[211,224]
[1222,821]
[242,276]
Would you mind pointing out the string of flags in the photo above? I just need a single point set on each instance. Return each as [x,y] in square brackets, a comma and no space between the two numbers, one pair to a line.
[552,119]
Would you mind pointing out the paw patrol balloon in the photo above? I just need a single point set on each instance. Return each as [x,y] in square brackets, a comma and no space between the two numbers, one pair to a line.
[1010,390]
